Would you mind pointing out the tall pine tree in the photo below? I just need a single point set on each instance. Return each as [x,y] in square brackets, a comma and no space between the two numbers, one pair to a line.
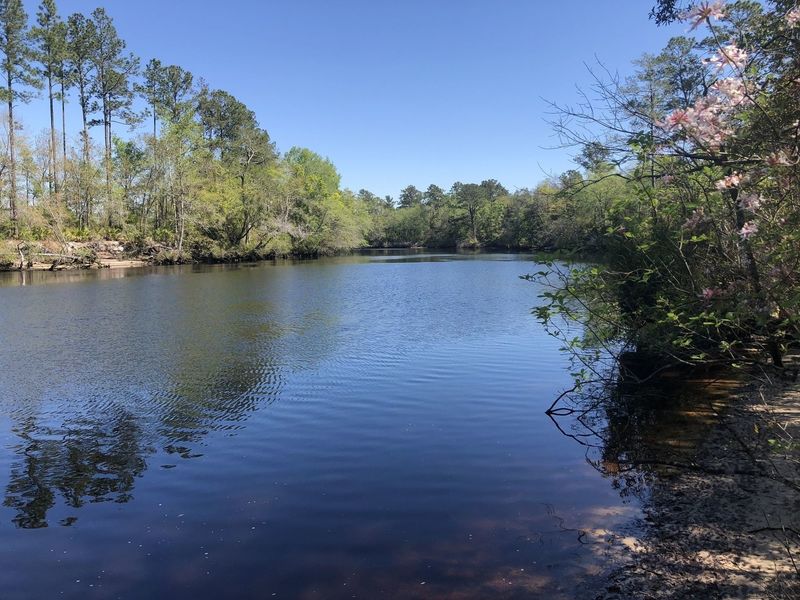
[113,72]
[49,47]
[19,76]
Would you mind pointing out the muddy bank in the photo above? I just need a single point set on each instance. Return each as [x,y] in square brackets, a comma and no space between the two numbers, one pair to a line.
[722,520]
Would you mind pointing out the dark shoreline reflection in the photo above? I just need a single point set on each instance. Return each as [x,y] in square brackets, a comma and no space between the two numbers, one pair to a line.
[635,432]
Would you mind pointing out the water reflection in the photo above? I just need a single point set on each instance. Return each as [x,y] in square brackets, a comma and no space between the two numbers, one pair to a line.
[93,459]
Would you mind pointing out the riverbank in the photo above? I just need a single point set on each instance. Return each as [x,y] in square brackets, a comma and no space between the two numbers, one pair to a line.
[51,255]
[726,524]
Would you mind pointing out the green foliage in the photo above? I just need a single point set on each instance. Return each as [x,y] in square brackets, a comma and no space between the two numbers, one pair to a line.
[16,54]
[700,225]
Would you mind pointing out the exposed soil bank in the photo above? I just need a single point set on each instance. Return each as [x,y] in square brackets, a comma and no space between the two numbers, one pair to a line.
[727,523]
[54,256]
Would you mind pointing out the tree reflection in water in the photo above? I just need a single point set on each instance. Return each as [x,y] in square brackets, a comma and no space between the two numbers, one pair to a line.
[84,460]
[96,456]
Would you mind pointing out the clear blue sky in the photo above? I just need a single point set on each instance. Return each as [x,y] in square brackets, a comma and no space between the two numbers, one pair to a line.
[394,92]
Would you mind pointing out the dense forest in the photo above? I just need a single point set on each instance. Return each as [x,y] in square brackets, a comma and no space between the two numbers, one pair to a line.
[188,172]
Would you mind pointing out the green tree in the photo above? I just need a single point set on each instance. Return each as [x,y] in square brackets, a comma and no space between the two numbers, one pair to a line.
[493,189]
[434,195]
[81,42]
[81,36]
[223,117]
[175,92]
[19,77]
[327,219]
[410,196]
[149,89]
[130,167]
[167,90]
[64,75]
[111,84]
[50,48]
[470,197]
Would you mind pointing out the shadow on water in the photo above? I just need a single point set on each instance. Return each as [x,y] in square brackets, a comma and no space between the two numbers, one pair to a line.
[719,500]
[635,432]
[97,455]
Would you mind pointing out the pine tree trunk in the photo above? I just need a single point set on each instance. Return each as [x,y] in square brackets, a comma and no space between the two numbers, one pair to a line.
[107,121]
[12,158]
[85,136]
[182,220]
[52,171]
[63,135]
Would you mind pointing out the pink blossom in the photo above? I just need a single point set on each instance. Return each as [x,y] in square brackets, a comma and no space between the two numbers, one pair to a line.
[709,293]
[748,229]
[750,202]
[697,218]
[707,122]
[779,159]
[703,11]
[729,55]
[729,182]
[793,17]
[733,89]
[678,118]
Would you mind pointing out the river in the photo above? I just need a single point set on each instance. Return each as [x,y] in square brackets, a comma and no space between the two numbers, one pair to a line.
[365,426]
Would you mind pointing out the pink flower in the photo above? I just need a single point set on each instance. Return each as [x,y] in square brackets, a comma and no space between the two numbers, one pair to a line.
[748,230]
[697,218]
[729,55]
[678,118]
[793,17]
[709,293]
[729,182]
[703,11]
[750,202]
[732,89]
[779,159]
[705,121]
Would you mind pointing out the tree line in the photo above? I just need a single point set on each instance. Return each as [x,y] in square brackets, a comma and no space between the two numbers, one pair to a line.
[189,169]
[560,213]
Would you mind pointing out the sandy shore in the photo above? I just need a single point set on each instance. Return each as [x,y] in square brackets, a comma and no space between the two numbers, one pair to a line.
[727,525]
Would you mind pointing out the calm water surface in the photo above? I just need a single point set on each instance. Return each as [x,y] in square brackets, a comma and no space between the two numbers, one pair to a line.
[365,427]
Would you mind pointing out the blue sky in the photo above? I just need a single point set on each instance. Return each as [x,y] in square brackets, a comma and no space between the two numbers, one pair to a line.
[394,92]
